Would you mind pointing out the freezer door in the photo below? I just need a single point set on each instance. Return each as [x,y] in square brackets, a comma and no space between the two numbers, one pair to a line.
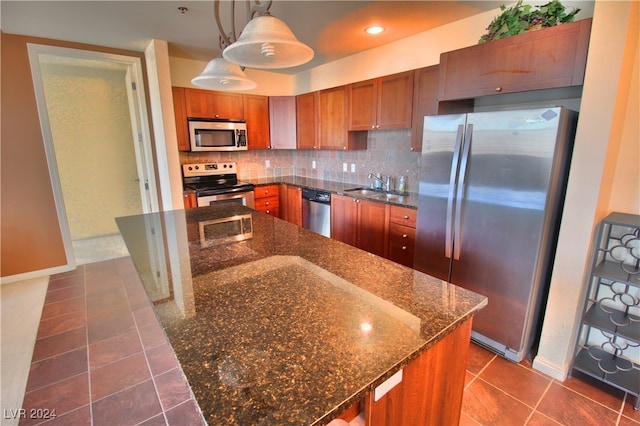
[440,161]
[504,223]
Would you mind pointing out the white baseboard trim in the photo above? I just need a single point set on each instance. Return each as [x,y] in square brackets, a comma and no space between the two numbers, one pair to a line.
[36,274]
[551,369]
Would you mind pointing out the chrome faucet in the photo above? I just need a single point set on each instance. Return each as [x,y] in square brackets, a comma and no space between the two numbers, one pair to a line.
[383,181]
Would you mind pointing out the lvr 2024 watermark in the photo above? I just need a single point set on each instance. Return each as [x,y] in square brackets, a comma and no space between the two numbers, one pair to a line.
[32,413]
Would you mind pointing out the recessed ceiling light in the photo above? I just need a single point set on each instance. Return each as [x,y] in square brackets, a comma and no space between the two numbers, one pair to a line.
[374,29]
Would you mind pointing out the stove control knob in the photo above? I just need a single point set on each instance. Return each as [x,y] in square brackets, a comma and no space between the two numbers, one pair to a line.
[215,166]
[197,167]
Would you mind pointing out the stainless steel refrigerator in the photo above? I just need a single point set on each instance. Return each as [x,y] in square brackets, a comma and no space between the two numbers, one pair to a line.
[492,186]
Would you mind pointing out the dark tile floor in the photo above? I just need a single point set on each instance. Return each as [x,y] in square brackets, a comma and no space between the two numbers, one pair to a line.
[101,358]
[500,392]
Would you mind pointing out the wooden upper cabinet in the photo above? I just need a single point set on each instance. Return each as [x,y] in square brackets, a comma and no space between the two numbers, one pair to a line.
[333,132]
[381,103]
[544,59]
[425,102]
[306,120]
[213,104]
[256,113]
[180,114]
[282,122]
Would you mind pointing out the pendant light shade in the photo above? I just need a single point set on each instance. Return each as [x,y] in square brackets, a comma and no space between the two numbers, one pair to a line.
[267,42]
[220,74]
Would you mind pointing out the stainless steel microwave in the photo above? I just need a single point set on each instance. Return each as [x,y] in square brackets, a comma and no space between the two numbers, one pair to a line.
[216,135]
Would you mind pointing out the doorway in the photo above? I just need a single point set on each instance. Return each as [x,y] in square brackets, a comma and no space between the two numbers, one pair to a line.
[93,115]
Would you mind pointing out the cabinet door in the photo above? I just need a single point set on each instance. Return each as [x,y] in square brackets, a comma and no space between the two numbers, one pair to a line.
[256,113]
[344,217]
[333,131]
[394,103]
[190,200]
[425,102]
[212,104]
[282,122]
[549,58]
[332,108]
[373,227]
[363,98]
[180,114]
[306,120]
[294,205]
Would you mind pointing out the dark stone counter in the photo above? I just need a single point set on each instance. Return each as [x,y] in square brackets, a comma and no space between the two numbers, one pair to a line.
[405,200]
[286,326]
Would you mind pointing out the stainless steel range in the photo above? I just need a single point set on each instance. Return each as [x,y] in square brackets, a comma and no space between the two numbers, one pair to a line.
[217,183]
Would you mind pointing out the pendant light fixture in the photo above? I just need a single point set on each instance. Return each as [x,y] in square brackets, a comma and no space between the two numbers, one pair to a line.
[220,74]
[267,42]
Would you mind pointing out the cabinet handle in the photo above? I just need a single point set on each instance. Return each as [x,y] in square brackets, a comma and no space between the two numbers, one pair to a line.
[266,204]
[406,216]
[498,89]
[404,235]
[404,247]
[267,212]
[266,191]
[373,127]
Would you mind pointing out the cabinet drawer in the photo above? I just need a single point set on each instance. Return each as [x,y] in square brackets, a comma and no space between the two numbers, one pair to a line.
[401,253]
[262,204]
[265,191]
[403,216]
[401,233]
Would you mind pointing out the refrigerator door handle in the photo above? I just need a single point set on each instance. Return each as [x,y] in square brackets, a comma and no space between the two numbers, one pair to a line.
[448,246]
[457,232]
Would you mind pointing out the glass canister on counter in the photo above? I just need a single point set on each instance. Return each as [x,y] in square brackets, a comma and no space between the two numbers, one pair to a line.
[402,184]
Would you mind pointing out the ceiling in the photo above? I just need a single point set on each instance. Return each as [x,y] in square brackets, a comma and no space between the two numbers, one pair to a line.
[333,29]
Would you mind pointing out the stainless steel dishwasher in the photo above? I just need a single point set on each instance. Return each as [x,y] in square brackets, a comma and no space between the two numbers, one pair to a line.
[316,211]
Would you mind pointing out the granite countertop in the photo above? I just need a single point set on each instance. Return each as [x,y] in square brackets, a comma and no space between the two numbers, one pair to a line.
[286,326]
[409,200]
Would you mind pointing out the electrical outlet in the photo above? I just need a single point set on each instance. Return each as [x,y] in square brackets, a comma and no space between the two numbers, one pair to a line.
[267,163]
[313,164]
[344,167]
[353,168]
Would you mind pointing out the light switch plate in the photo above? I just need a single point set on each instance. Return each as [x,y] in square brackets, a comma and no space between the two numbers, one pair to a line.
[353,168]
[344,167]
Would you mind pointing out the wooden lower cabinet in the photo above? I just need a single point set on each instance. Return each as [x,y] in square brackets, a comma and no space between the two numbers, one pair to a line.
[291,204]
[360,223]
[432,386]
[190,200]
[267,199]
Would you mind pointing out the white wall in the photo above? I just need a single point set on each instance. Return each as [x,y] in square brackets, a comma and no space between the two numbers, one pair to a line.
[605,102]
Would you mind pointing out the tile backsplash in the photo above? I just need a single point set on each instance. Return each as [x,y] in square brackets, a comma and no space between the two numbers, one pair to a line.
[388,153]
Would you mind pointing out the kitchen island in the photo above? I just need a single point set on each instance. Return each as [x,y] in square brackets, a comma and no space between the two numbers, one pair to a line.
[274,324]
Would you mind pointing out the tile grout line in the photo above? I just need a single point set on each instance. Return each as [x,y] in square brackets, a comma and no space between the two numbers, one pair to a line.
[146,358]
[535,408]
[588,397]
[86,314]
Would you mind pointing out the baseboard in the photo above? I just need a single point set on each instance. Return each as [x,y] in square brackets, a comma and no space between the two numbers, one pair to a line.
[551,369]
[36,274]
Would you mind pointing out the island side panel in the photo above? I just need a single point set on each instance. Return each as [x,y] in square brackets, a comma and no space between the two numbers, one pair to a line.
[431,389]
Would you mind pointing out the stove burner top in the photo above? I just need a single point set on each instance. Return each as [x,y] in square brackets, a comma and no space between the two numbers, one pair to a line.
[213,179]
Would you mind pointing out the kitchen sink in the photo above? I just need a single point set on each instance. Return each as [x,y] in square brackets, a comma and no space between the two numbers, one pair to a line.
[375,194]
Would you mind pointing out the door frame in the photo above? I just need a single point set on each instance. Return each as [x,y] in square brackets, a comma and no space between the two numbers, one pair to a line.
[141,134]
